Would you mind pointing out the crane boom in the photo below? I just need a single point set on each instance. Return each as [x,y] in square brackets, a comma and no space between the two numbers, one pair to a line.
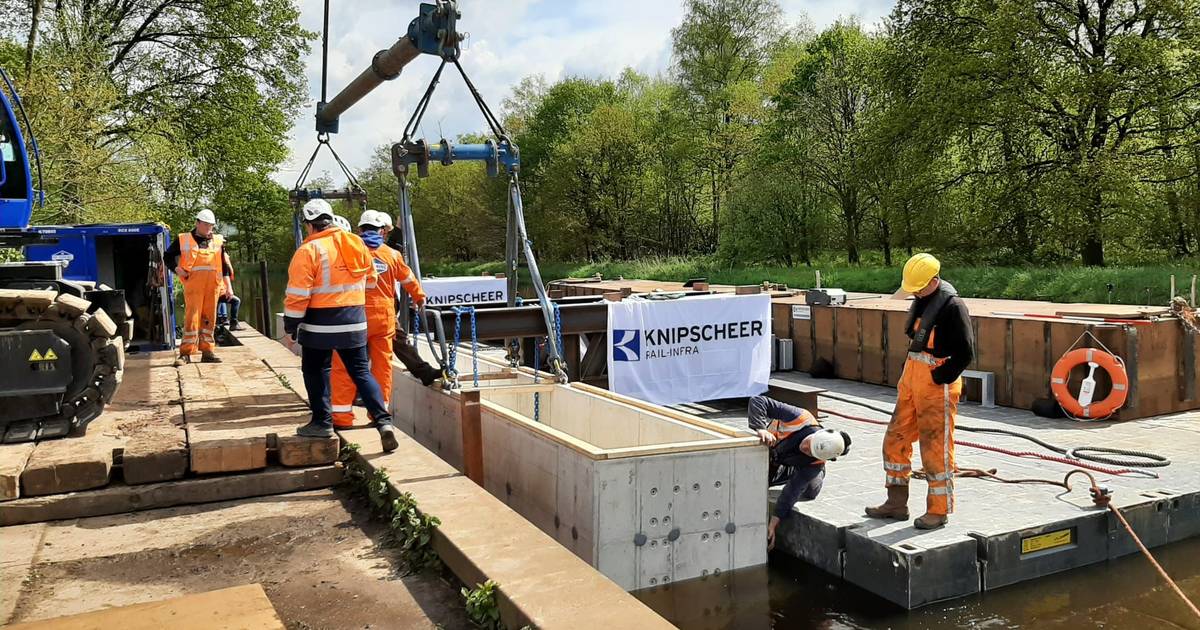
[432,32]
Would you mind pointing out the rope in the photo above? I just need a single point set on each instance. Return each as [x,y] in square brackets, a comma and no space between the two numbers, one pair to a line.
[1152,460]
[1024,454]
[1158,567]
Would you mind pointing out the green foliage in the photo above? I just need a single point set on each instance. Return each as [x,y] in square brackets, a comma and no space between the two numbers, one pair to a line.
[149,111]
[481,605]
[410,529]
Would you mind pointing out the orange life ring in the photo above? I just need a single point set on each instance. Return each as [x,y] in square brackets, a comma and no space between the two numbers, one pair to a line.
[1097,410]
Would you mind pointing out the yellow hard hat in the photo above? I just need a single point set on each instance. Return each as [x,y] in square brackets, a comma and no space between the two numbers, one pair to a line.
[918,272]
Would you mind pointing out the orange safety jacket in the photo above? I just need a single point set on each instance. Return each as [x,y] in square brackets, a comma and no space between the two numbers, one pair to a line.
[193,258]
[782,430]
[393,274]
[326,292]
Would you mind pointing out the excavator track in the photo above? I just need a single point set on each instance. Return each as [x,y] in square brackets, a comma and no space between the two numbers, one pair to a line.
[83,384]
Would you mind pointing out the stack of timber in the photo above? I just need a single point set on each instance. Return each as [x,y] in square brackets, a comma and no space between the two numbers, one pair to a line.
[864,340]
[571,287]
[645,494]
[163,437]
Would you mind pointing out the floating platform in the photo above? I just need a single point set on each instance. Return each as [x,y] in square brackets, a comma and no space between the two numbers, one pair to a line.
[1000,534]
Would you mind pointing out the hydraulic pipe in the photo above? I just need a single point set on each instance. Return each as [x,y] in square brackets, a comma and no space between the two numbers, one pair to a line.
[385,66]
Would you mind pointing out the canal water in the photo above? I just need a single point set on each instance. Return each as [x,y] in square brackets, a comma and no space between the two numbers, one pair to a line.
[790,594]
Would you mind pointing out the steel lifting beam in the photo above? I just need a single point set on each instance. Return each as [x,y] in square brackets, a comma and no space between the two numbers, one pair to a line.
[494,323]
[433,32]
[495,154]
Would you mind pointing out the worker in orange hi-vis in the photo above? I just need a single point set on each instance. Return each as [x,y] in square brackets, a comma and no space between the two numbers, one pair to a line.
[199,261]
[927,394]
[325,311]
[381,317]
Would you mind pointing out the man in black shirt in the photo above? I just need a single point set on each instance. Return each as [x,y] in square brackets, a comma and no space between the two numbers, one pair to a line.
[927,394]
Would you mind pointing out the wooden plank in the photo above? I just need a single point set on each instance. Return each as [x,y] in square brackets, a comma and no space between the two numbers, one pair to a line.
[822,322]
[245,607]
[234,408]
[991,350]
[802,344]
[472,437]
[873,358]
[1030,379]
[897,345]
[1157,368]
[13,458]
[149,417]
[846,343]
[119,499]
[69,464]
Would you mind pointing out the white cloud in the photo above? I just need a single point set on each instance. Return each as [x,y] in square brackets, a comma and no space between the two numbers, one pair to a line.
[508,40]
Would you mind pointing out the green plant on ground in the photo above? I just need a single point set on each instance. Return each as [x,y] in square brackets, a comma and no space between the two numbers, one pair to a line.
[482,609]
[413,531]
[409,528]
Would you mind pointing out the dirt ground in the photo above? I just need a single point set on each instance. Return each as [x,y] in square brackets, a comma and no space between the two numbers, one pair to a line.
[317,554]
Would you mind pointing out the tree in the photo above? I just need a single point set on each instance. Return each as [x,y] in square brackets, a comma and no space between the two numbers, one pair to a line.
[1092,79]
[823,109]
[719,45]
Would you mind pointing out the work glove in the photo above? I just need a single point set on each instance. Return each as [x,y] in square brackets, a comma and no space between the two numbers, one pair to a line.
[290,325]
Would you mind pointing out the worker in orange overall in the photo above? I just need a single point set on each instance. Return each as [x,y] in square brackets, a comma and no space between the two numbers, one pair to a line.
[199,261]
[325,311]
[381,317]
[942,347]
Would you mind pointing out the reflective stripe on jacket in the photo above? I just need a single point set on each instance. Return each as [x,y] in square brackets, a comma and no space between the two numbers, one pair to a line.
[781,429]
[326,292]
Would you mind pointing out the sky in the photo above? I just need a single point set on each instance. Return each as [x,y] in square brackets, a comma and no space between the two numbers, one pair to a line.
[508,40]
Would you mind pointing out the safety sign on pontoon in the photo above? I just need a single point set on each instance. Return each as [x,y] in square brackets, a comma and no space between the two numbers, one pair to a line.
[692,349]
[464,290]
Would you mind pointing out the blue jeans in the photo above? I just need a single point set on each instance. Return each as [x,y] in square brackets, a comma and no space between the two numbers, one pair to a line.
[234,305]
[316,364]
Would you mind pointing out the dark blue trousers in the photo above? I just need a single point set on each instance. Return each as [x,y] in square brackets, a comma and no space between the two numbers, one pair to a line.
[316,364]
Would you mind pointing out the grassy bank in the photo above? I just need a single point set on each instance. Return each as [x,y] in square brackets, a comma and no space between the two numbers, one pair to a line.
[1130,285]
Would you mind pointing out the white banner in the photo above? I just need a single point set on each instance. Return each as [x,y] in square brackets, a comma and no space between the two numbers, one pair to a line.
[464,290]
[690,349]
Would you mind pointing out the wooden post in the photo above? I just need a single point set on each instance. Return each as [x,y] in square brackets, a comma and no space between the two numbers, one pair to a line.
[1193,302]
[472,436]
[1172,296]
[266,321]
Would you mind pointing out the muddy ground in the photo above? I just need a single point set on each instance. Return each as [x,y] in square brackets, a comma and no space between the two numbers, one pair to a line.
[322,560]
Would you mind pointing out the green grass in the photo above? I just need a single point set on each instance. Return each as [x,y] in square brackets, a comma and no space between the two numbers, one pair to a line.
[1131,285]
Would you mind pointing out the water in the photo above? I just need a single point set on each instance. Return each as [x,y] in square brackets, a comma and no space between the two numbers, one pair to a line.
[1124,593]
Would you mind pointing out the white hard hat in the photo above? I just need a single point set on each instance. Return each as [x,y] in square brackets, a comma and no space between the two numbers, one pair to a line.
[342,222]
[827,444]
[206,216]
[372,218]
[315,208]
[387,219]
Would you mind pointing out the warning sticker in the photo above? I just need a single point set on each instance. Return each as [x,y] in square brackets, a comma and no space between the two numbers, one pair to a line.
[48,355]
[1051,540]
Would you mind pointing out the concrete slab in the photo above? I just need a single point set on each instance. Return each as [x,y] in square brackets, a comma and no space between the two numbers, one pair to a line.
[1001,533]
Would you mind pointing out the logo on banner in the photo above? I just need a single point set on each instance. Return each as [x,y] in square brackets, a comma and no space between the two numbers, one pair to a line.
[627,345]
[664,343]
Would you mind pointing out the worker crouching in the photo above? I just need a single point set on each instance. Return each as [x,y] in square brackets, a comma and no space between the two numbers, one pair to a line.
[800,446]
[325,311]
[927,395]
[392,273]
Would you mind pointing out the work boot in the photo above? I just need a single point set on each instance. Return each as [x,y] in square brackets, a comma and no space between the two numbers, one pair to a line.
[182,360]
[896,506]
[235,325]
[387,435]
[429,375]
[314,430]
[931,521]
[209,357]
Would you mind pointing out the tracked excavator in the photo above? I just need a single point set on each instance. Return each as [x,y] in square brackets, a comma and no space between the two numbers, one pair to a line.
[62,341]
